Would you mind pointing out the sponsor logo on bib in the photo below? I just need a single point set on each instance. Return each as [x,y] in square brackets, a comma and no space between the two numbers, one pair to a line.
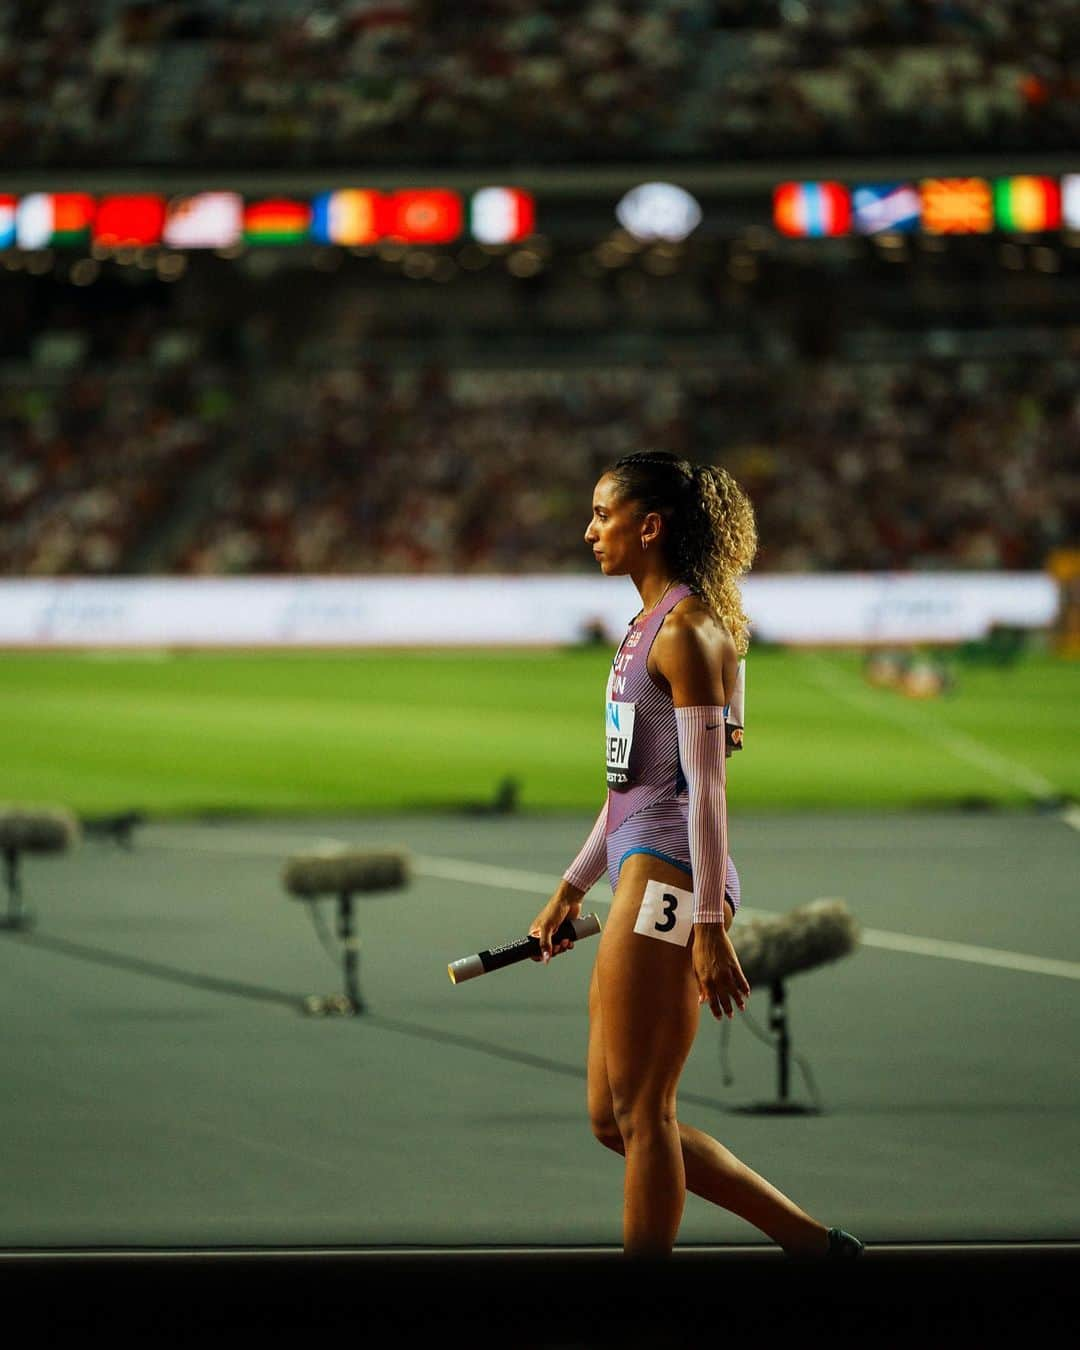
[618,741]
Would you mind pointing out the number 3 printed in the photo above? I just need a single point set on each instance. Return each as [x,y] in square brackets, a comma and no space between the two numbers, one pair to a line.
[671,903]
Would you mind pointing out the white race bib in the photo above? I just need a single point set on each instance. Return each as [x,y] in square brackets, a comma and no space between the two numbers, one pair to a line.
[618,742]
[666,913]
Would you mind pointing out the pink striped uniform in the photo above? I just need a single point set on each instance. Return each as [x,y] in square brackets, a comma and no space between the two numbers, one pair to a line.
[649,798]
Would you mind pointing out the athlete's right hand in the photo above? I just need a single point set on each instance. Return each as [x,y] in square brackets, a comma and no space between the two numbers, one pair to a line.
[564,904]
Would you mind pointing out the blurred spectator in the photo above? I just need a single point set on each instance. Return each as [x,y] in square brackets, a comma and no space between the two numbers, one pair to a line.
[352,81]
[74,79]
[940,465]
[127,443]
[91,464]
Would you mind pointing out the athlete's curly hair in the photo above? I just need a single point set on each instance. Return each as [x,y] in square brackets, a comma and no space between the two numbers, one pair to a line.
[711,536]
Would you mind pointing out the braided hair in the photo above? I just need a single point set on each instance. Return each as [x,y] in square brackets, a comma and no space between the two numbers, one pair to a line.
[710,535]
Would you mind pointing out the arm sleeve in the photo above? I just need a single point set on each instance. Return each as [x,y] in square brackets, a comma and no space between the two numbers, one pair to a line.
[591,863]
[701,753]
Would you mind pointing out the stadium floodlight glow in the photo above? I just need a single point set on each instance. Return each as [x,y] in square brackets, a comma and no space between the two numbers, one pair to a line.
[207,220]
[351,217]
[885,208]
[133,219]
[1027,204]
[812,210]
[45,219]
[500,215]
[957,206]
[658,211]
[7,220]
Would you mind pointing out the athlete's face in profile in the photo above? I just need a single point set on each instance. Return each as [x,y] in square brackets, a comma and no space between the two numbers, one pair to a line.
[615,529]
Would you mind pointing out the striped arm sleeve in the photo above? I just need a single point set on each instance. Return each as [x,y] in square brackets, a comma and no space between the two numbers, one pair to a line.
[702,740]
[591,863]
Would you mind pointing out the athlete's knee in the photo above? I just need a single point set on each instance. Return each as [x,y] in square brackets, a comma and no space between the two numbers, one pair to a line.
[606,1130]
[642,1116]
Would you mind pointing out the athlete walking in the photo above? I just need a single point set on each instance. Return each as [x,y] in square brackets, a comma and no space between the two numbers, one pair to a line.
[684,533]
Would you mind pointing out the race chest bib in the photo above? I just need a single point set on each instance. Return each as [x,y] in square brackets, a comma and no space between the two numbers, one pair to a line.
[618,740]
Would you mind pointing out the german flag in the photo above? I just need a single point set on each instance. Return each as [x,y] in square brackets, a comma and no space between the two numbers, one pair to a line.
[1027,204]
[277,220]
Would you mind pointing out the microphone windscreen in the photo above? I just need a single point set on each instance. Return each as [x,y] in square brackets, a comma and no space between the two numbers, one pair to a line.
[805,937]
[345,870]
[40,829]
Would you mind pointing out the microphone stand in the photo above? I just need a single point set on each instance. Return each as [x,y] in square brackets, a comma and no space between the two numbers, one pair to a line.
[778,1025]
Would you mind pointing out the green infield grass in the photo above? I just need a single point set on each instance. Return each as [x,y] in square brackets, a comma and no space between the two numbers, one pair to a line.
[195,732]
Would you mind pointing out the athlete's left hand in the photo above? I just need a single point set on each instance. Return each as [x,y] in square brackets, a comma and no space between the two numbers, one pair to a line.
[721,982]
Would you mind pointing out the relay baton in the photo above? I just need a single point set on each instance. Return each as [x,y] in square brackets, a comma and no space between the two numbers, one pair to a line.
[586,925]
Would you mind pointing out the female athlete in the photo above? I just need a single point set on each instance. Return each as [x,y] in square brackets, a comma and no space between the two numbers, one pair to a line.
[684,533]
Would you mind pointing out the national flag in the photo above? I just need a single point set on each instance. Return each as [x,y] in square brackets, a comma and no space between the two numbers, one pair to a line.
[129,220]
[207,220]
[425,216]
[812,210]
[353,216]
[277,220]
[499,215]
[1070,201]
[1027,204]
[885,208]
[44,219]
[957,206]
[7,220]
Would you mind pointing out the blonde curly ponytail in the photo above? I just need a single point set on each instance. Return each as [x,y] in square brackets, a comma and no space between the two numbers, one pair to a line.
[727,549]
[712,535]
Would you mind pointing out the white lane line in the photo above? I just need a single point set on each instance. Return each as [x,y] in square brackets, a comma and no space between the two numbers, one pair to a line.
[962,951]
[957,743]
[211,840]
[472,873]
[1071,816]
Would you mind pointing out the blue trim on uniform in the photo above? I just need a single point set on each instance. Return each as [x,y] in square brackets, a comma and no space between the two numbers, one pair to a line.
[664,857]
[680,863]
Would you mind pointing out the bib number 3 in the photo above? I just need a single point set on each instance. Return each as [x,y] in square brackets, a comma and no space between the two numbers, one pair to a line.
[666,913]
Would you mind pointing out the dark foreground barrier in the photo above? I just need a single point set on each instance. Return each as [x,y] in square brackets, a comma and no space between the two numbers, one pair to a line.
[558,1298]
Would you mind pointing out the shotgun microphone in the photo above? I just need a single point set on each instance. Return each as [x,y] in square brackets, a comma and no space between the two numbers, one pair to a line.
[585,925]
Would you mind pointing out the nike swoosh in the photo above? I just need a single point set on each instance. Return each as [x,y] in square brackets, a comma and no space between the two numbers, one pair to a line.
[711,726]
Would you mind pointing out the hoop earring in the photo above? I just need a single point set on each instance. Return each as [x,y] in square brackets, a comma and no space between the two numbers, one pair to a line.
[644,546]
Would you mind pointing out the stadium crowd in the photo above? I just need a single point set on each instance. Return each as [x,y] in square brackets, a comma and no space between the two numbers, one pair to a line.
[942,465]
[922,465]
[93,464]
[74,80]
[353,81]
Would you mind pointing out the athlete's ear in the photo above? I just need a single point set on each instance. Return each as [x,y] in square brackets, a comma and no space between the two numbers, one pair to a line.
[651,525]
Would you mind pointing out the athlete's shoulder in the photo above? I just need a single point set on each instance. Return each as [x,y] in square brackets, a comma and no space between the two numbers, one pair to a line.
[691,653]
[693,627]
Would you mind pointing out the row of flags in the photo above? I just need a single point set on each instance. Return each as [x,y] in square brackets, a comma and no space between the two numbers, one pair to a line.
[1024,203]
[354,217]
[359,217]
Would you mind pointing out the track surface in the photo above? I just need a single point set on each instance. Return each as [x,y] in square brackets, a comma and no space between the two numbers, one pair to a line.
[164,1089]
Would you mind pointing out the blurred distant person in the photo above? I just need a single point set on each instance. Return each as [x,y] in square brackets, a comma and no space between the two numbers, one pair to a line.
[684,533]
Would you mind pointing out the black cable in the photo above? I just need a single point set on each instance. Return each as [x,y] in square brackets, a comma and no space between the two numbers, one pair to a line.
[728,1077]
[322,932]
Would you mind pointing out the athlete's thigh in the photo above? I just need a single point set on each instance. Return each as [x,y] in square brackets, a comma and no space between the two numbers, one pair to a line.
[645,983]
[601,1112]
